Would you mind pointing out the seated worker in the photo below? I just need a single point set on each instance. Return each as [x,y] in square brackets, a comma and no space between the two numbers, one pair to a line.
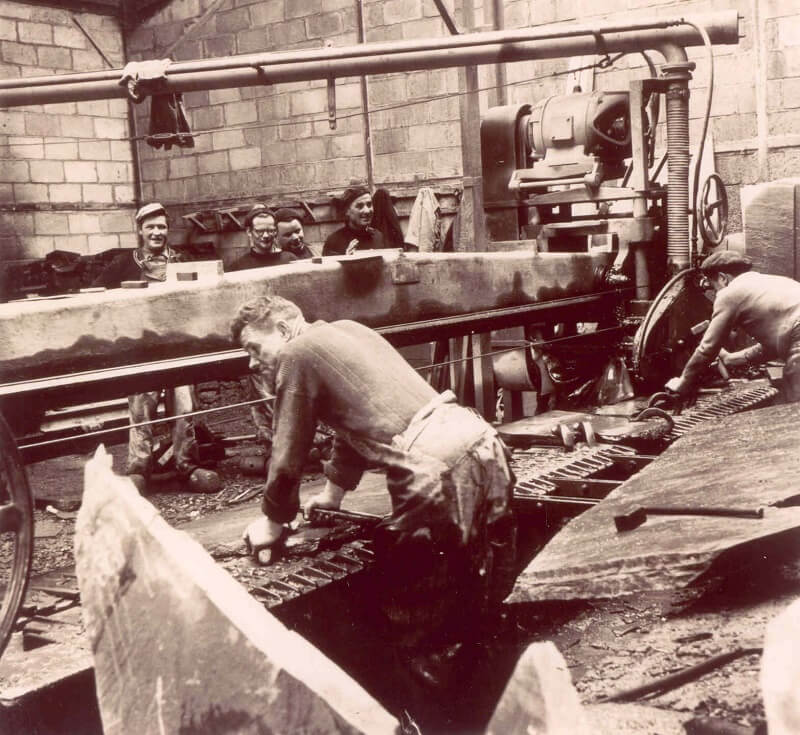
[290,237]
[149,263]
[261,235]
[766,307]
[357,233]
[446,469]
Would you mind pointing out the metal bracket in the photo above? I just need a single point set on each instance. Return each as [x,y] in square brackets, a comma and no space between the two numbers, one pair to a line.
[332,103]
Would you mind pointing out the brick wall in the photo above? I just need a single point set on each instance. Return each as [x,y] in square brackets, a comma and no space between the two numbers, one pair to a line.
[66,169]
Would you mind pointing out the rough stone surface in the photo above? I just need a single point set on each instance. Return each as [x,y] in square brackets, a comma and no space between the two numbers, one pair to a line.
[172,634]
[780,672]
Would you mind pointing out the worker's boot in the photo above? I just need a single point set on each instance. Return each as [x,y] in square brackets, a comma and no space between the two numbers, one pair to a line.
[204,481]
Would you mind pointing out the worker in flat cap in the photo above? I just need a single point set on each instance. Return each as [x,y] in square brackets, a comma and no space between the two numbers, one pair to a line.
[291,237]
[149,263]
[447,471]
[355,207]
[766,307]
[262,232]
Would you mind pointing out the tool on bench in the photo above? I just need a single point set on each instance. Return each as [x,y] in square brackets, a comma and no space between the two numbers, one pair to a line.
[328,517]
[636,517]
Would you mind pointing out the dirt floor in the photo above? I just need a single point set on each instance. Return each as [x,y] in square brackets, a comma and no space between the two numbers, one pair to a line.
[609,646]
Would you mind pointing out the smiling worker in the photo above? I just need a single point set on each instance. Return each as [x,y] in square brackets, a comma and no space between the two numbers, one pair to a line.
[357,233]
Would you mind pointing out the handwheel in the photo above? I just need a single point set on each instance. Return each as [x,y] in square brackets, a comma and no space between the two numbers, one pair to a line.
[16,532]
[713,214]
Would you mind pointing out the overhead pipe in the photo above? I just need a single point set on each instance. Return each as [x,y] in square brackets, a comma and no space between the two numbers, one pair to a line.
[494,47]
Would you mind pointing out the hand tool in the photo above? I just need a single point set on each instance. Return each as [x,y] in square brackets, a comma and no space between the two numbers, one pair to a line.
[329,516]
[636,517]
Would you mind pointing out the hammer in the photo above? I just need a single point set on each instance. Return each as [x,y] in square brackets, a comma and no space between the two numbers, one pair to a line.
[635,518]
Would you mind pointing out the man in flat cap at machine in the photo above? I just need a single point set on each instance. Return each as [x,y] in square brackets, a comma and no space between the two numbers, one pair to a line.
[355,206]
[766,307]
[448,546]
[149,263]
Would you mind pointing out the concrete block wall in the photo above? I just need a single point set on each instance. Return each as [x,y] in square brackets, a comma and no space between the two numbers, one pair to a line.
[66,179]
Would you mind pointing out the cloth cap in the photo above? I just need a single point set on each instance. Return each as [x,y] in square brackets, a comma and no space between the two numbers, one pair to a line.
[148,210]
[726,260]
[287,215]
[350,195]
[257,210]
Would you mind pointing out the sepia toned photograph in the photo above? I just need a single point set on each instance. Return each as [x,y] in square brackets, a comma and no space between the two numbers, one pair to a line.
[418,367]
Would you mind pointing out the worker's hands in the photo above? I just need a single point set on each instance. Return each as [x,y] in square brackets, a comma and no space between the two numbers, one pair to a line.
[260,535]
[330,498]
[351,246]
[678,385]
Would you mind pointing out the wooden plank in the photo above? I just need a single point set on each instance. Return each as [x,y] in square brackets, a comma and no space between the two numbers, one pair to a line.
[750,461]
[179,646]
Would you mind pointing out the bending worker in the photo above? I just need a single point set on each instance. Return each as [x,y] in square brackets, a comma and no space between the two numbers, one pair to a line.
[447,470]
[766,307]
[149,263]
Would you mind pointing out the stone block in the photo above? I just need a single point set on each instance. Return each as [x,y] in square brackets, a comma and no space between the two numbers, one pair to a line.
[221,96]
[115,222]
[401,11]
[227,139]
[733,127]
[110,127]
[790,92]
[446,161]
[423,28]
[87,59]
[237,113]
[403,165]
[266,13]
[30,32]
[344,146]
[55,57]
[222,45]
[140,39]
[30,193]
[99,193]
[44,172]
[436,135]
[252,41]
[288,32]
[12,122]
[209,163]
[128,240]
[37,123]
[302,8]
[14,170]
[231,21]
[6,192]
[20,223]
[784,122]
[38,246]
[100,242]
[245,158]
[309,102]
[83,223]
[94,150]
[11,9]
[182,167]
[206,118]
[386,91]
[98,108]
[154,169]
[51,223]
[324,25]
[771,211]
[17,53]
[312,149]
[194,615]
[64,193]
[391,140]
[76,126]
[124,193]
[540,697]
[54,16]
[84,172]
[8,30]
[114,172]
[61,151]
[788,31]
[120,150]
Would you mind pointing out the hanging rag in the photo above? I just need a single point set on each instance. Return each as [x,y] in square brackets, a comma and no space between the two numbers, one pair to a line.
[168,124]
[424,222]
[140,77]
[384,219]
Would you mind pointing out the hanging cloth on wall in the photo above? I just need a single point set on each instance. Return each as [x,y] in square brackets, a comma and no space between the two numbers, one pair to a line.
[168,124]
[424,222]
[384,219]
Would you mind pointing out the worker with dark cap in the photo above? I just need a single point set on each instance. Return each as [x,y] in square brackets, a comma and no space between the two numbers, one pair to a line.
[448,545]
[290,237]
[766,307]
[259,224]
[149,263]
[355,206]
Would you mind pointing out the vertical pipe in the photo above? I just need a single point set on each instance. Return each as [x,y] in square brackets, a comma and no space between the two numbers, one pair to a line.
[368,155]
[135,160]
[499,69]
[678,76]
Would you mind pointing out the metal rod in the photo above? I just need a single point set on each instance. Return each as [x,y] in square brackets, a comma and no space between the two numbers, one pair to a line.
[479,48]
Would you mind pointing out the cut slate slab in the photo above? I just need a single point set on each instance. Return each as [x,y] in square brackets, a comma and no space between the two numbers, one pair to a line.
[750,460]
[540,698]
[179,645]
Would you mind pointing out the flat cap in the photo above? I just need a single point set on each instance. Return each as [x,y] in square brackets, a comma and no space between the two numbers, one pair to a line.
[257,210]
[726,260]
[286,214]
[349,196]
[148,210]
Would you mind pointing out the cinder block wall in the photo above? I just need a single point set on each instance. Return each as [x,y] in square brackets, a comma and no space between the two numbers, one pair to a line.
[66,179]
